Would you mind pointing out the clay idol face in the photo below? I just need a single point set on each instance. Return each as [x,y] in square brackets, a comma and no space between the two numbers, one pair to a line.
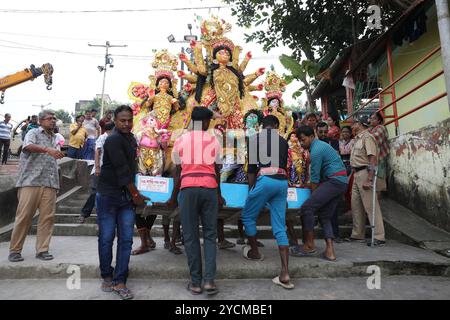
[251,121]
[274,103]
[223,56]
[164,84]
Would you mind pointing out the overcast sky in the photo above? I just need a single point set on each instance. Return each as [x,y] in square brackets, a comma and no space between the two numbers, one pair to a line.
[25,38]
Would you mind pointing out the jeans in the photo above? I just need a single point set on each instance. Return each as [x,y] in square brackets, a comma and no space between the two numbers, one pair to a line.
[115,212]
[75,153]
[273,193]
[89,149]
[323,201]
[203,203]
[5,143]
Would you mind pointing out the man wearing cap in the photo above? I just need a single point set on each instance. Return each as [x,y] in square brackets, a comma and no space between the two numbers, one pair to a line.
[363,160]
[197,155]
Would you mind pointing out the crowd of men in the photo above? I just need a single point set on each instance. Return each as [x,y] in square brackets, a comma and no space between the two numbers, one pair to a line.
[337,161]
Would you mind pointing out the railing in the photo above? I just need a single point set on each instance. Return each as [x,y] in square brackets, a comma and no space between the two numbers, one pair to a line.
[395,117]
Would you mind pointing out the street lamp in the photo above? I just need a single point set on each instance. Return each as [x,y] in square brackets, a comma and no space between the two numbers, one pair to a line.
[108,63]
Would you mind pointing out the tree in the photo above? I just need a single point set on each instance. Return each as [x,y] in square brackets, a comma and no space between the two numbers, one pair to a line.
[313,29]
[97,105]
[63,115]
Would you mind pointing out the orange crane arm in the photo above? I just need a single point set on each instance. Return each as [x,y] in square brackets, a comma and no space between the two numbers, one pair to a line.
[26,75]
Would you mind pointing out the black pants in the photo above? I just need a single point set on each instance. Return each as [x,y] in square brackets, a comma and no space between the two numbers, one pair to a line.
[5,144]
[90,202]
[323,202]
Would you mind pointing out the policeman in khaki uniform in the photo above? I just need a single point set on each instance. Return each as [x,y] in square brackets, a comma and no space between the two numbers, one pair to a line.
[363,160]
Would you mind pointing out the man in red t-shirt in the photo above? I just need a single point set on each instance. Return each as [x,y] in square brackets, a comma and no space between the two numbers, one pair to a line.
[197,155]
[106,119]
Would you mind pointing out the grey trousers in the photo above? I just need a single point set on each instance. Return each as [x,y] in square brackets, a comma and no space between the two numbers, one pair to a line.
[200,203]
[323,202]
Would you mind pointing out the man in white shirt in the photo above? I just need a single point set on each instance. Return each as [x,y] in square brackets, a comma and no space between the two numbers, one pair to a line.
[93,129]
[5,137]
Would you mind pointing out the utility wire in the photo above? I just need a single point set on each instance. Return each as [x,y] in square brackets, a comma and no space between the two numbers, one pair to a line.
[75,39]
[110,11]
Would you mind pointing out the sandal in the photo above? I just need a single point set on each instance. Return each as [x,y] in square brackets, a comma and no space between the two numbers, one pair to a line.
[124,293]
[324,256]
[151,243]
[246,249]
[175,250]
[225,244]
[194,290]
[288,285]
[297,251]
[107,286]
[211,290]
[258,243]
[167,245]
[15,257]
[140,250]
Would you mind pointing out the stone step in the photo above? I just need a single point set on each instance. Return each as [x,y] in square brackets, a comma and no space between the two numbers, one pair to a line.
[71,216]
[62,218]
[264,232]
[75,203]
[64,209]
[353,259]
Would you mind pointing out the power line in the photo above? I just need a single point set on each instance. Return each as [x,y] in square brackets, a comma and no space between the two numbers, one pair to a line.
[37,48]
[111,11]
[74,39]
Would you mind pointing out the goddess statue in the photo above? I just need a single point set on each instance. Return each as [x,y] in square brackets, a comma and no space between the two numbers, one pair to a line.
[273,102]
[158,112]
[217,81]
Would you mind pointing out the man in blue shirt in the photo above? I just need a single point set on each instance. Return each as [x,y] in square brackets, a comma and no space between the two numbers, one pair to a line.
[328,185]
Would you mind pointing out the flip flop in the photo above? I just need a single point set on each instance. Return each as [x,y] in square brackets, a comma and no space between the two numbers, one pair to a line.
[175,250]
[246,249]
[297,251]
[324,256]
[124,293]
[288,286]
[211,291]
[139,251]
[226,245]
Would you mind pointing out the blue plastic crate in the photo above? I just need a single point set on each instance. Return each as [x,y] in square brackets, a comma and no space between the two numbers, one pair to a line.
[159,189]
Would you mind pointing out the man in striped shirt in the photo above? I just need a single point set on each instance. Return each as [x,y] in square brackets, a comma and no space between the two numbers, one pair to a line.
[328,185]
[5,137]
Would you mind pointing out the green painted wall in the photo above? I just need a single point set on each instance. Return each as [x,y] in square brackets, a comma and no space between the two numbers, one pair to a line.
[405,57]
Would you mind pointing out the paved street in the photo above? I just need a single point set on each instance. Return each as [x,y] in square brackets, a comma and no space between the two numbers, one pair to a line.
[354,288]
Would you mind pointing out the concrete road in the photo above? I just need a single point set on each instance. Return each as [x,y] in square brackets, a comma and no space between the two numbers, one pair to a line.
[354,288]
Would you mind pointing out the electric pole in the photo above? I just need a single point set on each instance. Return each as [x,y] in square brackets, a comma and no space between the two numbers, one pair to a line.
[108,62]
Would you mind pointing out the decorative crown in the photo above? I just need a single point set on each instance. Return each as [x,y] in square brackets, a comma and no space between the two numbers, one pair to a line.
[164,64]
[213,31]
[274,85]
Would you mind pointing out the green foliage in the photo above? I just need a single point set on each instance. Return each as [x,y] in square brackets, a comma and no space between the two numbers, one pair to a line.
[315,29]
[63,115]
[96,103]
